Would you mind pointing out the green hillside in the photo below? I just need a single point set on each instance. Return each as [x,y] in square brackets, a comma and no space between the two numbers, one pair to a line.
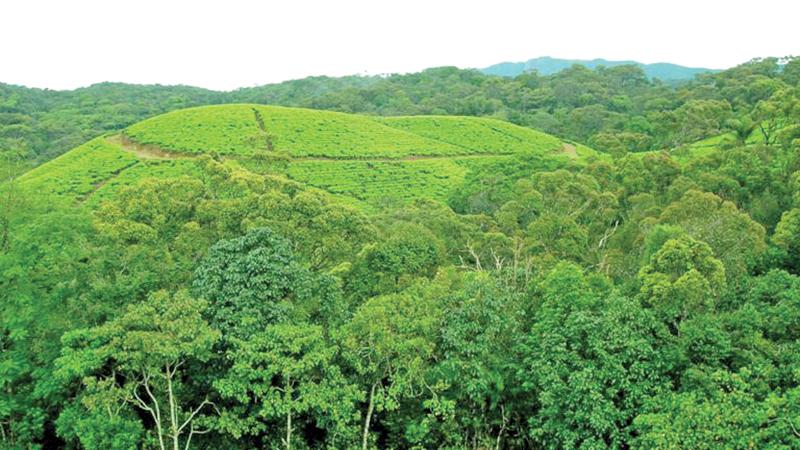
[713,145]
[249,129]
[96,170]
[374,182]
[476,135]
[78,173]
[363,160]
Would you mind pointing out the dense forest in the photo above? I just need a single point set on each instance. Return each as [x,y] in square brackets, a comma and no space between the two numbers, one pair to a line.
[648,298]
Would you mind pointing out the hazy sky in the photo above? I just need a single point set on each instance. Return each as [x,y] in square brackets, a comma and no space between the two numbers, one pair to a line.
[227,44]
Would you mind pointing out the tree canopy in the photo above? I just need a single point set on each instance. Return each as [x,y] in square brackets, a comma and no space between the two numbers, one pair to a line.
[646,296]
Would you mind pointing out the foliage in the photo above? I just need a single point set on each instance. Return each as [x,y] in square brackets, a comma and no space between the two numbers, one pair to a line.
[277,277]
[735,238]
[407,252]
[136,361]
[289,372]
[388,343]
[683,278]
[589,362]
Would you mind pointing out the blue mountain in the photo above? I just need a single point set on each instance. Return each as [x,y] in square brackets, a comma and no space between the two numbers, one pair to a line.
[546,65]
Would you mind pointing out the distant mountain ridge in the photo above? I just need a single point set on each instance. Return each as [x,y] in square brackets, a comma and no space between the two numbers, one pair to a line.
[546,65]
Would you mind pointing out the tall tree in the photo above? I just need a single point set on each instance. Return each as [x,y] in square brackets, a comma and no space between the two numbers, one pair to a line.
[389,345]
[682,278]
[588,362]
[735,238]
[142,360]
[289,372]
[248,281]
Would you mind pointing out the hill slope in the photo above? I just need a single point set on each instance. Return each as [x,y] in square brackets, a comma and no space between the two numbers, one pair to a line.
[363,160]
[546,65]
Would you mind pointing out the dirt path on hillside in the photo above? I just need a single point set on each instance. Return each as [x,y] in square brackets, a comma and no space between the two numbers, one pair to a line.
[145,151]
[569,149]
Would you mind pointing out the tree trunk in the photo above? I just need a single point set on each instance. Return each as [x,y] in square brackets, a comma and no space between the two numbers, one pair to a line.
[289,430]
[5,239]
[173,410]
[154,411]
[367,420]
[764,134]
[288,397]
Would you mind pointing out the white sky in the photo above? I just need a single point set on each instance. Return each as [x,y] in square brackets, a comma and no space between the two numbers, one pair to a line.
[227,44]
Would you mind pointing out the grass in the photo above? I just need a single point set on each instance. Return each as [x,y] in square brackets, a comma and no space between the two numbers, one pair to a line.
[710,146]
[585,153]
[714,144]
[699,149]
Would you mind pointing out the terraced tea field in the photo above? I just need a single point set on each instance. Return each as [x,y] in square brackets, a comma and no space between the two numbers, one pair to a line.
[710,146]
[78,173]
[146,168]
[95,170]
[377,182]
[477,135]
[363,160]
[245,130]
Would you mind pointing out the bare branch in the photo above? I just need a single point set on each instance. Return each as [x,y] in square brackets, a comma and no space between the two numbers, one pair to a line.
[794,430]
[608,235]
[475,256]
[205,402]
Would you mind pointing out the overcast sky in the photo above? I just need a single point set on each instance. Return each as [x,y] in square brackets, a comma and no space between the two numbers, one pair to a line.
[227,44]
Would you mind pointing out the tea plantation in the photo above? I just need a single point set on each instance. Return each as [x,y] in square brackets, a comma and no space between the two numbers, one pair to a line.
[363,160]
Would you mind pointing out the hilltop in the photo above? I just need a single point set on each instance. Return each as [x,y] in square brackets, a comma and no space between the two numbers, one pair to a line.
[361,159]
[546,65]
